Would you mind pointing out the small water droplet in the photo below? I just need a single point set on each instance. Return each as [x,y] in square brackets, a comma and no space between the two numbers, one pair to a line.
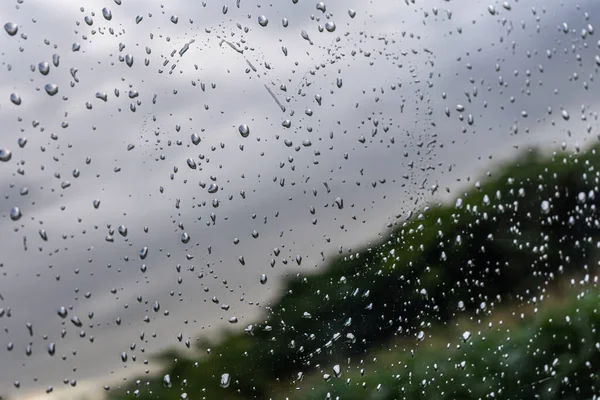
[225,380]
[15,99]
[5,155]
[244,130]
[466,336]
[185,238]
[107,14]
[11,28]
[213,188]
[51,89]
[15,213]
[545,206]
[263,21]
[62,312]
[337,370]
[174,19]
[491,10]
[195,138]
[263,278]
[44,68]
[144,253]
[351,13]
[191,163]
[330,26]
[51,348]
[122,230]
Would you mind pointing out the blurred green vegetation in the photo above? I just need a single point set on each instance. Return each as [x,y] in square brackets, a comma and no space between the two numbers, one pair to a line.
[509,240]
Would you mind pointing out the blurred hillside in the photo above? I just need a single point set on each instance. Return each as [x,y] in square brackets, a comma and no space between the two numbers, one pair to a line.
[437,304]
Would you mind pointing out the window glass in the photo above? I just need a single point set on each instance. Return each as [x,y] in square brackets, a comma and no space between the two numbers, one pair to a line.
[299,199]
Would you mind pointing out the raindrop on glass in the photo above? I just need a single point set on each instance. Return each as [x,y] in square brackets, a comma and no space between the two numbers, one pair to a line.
[244,130]
[11,28]
[263,21]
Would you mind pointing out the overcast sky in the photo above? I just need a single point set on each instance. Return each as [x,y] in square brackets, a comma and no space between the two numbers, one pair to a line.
[380,139]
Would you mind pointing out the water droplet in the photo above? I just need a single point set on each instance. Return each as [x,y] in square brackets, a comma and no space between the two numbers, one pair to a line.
[421,335]
[144,253]
[263,21]
[330,26]
[43,235]
[51,89]
[51,348]
[107,14]
[22,141]
[191,163]
[244,130]
[15,213]
[491,10]
[11,28]
[338,82]
[167,380]
[195,138]
[233,320]
[15,99]
[122,230]
[285,22]
[44,68]
[305,36]
[339,202]
[76,321]
[185,238]
[337,370]
[62,312]
[351,13]
[5,155]
[129,60]
[123,356]
[225,380]
[545,206]
[174,19]
[321,6]
[138,19]
[96,203]
[565,115]
[263,278]
[213,188]
[466,336]
[156,306]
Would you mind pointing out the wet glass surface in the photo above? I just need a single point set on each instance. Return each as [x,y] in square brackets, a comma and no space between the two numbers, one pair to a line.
[299,199]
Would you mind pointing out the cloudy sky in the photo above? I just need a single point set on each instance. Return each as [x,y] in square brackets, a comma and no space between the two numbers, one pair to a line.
[366,105]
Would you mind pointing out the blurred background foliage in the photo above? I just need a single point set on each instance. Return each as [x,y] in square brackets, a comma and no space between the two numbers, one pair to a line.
[491,296]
